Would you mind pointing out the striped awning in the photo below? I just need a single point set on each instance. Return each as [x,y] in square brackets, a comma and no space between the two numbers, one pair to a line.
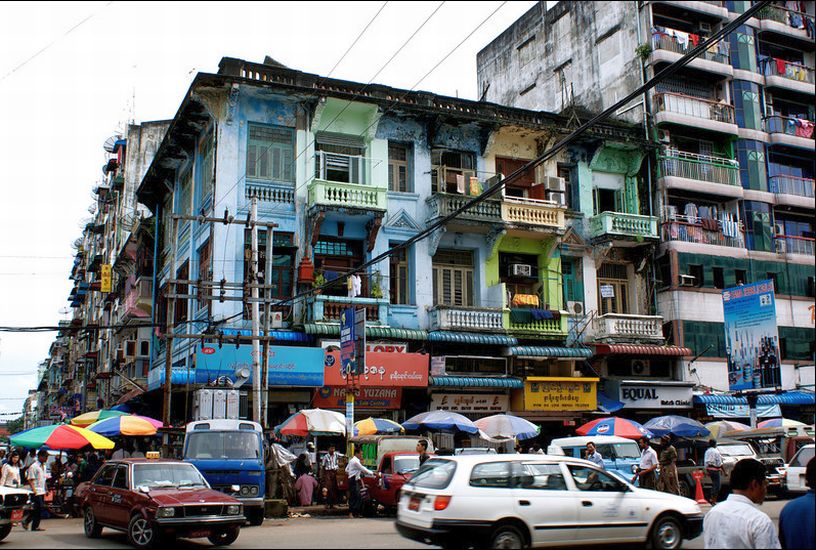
[320,329]
[279,335]
[549,351]
[784,398]
[471,338]
[640,349]
[475,382]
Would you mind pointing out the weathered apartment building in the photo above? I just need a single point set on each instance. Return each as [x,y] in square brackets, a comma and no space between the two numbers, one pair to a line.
[732,171]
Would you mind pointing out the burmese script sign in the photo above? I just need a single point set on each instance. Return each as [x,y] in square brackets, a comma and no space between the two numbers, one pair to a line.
[560,394]
[470,402]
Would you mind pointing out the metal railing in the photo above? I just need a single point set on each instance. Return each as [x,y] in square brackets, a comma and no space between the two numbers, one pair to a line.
[700,167]
[788,69]
[790,244]
[696,107]
[777,124]
[681,229]
[462,318]
[791,185]
[781,14]
[669,42]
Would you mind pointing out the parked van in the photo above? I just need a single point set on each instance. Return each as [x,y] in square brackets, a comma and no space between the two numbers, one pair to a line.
[620,455]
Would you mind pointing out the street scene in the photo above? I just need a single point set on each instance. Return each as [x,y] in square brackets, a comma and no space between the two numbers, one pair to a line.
[501,275]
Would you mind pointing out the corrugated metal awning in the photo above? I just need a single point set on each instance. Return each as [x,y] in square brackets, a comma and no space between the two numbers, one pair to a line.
[320,329]
[279,335]
[475,382]
[471,338]
[640,349]
[784,398]
[549,351]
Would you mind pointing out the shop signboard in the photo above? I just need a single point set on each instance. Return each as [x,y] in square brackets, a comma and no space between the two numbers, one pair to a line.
[470,402]
[658,395]
[543,393]
[741,411]
[334,397]
[751,337]
[288,365]
[438,365]
[382,370]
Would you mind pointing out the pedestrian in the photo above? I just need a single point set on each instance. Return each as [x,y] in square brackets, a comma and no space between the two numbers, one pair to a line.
[737,522]
[92,464]
[119,451]
[2,456]
[422,449]
[648,464]
[796,526]
[136,451]
[713,464]
[301,465]
[518,449]
[330,476]
[311,454]
[305,486]
[355,471]
[593,455]
[668,482]
[36,479]
[11,471]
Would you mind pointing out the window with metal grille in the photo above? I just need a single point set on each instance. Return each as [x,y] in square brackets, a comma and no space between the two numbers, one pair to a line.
[283,262]
[339,158]
[399,174]
[270,153]
[613,295]
[399,277]
[453,278]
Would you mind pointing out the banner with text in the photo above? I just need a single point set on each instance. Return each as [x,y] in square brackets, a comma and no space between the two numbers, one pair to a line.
[741,411]
[365,398]
[560,394]
[382,369]
[470,402]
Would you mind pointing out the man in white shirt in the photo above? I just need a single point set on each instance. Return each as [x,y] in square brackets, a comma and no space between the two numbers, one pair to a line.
[356,471]
[713,464]
[330,464]
[737,522]
[648,465]
[36,480]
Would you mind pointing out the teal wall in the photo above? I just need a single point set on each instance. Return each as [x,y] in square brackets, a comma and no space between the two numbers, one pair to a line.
[791,278]
[698,335]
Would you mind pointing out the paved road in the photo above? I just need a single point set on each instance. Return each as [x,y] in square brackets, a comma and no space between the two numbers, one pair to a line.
[286,533]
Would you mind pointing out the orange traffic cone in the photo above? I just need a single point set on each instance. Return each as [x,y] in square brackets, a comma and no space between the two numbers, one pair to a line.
[698,476]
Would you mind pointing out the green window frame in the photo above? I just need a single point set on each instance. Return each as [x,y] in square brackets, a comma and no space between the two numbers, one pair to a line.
[270,153]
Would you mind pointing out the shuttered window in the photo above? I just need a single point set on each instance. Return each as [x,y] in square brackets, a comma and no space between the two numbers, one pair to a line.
[270,153]
[399,277]
[398,171]
[613,288]
[453,278]
[339,158]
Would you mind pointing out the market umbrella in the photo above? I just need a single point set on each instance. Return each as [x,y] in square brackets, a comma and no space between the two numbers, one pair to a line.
[676,425]
[780,423]
[313,422]
[126,425]
[85,420]
[440,421]
[377,426]
[611,425]
[60,437]
[505,426]
[720,427]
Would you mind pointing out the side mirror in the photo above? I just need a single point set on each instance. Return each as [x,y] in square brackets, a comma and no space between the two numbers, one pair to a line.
[143,489]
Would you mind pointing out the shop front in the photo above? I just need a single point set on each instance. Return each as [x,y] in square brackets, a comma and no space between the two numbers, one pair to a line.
[645,399]
[557,404]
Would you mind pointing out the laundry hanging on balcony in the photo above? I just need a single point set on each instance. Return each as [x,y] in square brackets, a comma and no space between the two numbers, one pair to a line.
[355,286]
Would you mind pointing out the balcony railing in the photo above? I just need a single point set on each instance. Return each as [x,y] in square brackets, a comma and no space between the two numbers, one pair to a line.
[533,212]
[270,192]
[696,107]
[442,204]
[614,326]
[349,195]
[790,244]
[681,230]
[788,69]
[622,224]
[327,309]
[798,127]
[791,185]
[463,318]
[781,14]
[679,42]
[700,167]
[556,328]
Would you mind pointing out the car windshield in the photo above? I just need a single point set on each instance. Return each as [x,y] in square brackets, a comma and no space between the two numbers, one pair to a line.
[223,445]
[736,450]
[626,450]
[404,464]
[804,456]
[157,476]
[434,474]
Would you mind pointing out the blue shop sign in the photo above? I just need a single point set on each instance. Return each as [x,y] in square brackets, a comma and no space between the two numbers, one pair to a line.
[288,365]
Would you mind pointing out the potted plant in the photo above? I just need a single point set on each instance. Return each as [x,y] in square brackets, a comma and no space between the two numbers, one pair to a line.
[376,286]
[319,281]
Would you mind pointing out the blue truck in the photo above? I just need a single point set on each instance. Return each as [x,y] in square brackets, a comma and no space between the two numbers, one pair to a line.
[620,455]
[230,455]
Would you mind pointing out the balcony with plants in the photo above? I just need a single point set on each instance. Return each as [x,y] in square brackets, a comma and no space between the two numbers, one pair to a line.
[326,305]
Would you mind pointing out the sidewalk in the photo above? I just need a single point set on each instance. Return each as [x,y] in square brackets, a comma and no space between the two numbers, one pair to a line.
[318,510]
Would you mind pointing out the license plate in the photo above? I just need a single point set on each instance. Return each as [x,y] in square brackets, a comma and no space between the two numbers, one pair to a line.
[16,515]
[414,503]
[198,534]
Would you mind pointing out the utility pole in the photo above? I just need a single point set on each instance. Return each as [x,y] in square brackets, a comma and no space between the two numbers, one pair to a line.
[270,235]
[253,277]
[171,313]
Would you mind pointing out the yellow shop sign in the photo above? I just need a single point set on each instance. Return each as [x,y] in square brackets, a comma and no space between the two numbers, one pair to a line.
[543,393]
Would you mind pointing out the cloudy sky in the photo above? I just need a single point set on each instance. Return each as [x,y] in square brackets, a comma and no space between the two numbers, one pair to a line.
[72,74]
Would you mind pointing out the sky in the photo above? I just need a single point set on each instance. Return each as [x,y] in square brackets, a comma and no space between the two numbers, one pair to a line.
[73,74]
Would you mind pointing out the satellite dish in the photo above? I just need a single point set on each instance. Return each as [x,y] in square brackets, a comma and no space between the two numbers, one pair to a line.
[110,144]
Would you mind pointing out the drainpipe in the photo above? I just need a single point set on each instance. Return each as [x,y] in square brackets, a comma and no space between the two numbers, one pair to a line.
[153,297]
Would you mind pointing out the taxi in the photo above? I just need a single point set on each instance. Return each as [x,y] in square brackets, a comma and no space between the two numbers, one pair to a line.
[157,500]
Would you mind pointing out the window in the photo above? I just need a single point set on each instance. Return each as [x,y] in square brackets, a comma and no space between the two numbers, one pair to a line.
[270,153]
[105,475]
[772,277]
[696,271]
[547,477]
[436,473]
[144,348]
[570,193]
[491,474]
[223,445]
[183,206]
[739,276]
[451,171]
[453,278]
[589,479]
[607,192]
[803,457]
[204,274]
[399,277]
[811,286]
[283,261]
[121,479]
[167,222]
[399,170]
[613,289]
[719,278]
[180,312]
[206,171]
[339,158]
[519,187]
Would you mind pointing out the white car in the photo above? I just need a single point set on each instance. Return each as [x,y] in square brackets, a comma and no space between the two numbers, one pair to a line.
[13,502]
[520,501]
[795,471]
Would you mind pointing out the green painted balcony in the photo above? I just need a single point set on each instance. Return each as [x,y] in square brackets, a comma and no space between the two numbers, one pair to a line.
[620,226]
[554,329]
[347,195]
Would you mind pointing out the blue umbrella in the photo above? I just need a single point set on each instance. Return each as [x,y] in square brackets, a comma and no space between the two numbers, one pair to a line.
[676,425]
[440,421]
[505,426]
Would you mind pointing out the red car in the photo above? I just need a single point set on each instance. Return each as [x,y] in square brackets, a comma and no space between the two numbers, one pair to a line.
[396,468]
[155,501]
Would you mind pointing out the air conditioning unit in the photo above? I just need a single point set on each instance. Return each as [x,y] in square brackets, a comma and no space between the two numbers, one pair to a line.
[521,270]
[641,367]
[779,229]
[275,319]
[663,136]
[704,27]
[556,190]
[687,280]
[575,308]
[780,246]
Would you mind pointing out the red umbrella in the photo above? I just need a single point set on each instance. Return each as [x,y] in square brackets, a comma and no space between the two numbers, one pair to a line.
[610,425]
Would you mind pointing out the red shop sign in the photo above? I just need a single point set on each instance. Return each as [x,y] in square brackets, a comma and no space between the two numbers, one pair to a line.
[407,370]
[365,398]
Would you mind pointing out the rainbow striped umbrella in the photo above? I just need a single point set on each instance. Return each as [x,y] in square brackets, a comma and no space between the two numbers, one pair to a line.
[611,425]
[780,423]
[720,427]
[60,437]
[377,426]
[126,425]
[85,420]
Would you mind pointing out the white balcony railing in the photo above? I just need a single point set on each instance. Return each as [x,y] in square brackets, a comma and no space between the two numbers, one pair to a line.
[615,326]
[463,318]
[533,212]
[696,107]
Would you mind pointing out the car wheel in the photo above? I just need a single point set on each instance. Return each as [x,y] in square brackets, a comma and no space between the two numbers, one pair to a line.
[507,536]
[5,530]
[666,534]
[255,516]
[141,533]
[225,537]
[92,529]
